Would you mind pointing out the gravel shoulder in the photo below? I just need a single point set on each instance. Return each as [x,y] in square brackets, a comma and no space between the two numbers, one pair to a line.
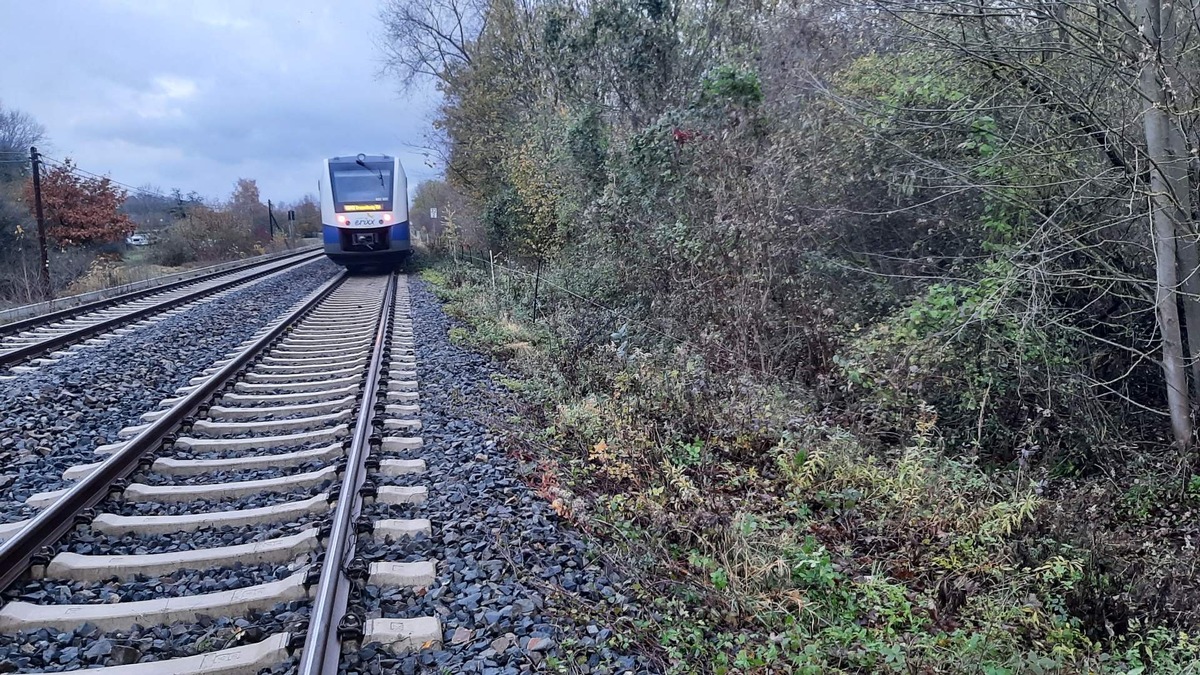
[518,589]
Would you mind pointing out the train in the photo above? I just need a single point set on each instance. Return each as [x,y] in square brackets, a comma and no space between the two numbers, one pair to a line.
[364,211]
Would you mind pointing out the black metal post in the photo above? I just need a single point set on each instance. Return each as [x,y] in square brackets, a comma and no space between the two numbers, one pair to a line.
[44,272]
[270,220]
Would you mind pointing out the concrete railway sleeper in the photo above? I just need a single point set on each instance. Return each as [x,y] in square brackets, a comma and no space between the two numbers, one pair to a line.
[221,535]
[42,340]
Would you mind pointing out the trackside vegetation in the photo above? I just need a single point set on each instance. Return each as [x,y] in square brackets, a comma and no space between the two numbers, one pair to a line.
[769,537]
[865,336]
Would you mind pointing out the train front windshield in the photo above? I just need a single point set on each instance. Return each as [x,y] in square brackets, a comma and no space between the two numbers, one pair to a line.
[356,185]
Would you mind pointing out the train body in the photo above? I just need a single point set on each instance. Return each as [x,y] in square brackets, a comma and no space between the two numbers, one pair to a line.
[364,211]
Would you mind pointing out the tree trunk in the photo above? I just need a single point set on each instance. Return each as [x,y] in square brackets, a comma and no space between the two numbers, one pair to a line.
[1178,177]
[1164,215]
[1189,263]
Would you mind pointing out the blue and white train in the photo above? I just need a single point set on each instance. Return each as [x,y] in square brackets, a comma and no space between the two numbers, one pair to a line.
[364,211]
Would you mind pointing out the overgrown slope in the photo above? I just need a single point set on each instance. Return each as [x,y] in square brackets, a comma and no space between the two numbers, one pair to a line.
[840,320]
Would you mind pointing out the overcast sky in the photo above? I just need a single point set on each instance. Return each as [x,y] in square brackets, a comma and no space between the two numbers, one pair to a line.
[196,94]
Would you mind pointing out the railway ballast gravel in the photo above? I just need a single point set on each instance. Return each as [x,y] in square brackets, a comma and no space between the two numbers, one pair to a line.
[509,569]
[54,416]
[226,607]
[338,505]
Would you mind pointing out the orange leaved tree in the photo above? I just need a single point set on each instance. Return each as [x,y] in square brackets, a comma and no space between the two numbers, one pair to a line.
[80,210]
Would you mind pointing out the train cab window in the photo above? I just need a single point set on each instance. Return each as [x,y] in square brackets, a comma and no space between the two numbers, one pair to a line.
[355,184]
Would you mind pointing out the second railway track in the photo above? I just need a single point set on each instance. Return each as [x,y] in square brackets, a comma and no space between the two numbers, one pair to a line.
[220,535]
[29,340]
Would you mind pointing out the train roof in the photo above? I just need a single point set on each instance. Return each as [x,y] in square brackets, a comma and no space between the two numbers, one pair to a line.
[366,157]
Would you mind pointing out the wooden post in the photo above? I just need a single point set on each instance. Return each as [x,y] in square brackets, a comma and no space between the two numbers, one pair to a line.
[44,272]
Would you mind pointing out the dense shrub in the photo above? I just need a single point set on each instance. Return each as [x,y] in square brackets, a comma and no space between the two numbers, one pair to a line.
[207,235]
[888,279]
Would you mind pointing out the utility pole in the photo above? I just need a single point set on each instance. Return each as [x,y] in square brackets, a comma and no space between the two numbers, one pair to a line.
[35,161]
[270,219]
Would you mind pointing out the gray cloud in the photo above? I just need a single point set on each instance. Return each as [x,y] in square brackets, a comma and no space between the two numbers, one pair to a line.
[197,94]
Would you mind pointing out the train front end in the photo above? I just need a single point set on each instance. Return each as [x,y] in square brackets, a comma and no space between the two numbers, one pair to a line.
[364,211]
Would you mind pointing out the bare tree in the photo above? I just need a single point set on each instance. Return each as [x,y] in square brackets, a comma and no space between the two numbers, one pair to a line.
[1170,207]
[1165,213]
[429,38]
[18,130]
[1053,59]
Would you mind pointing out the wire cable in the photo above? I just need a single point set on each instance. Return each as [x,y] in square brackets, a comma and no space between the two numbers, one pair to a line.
[84,172]
[76,169]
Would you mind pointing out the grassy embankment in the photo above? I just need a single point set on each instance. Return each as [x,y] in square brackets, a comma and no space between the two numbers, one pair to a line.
[766,537]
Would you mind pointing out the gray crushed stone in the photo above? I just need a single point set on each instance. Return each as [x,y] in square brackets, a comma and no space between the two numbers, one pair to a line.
[54,417]
[509,569]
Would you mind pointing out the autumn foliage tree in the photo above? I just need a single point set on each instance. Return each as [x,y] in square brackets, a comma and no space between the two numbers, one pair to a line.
[80,210]
[308,216]
[246,205]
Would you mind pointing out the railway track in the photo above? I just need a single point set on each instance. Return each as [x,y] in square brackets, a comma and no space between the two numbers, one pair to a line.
[221,535]
[32,340]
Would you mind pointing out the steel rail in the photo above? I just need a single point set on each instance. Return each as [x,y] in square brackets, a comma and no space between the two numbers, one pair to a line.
[52,343]
[321,650]
[18,552]
[69,312]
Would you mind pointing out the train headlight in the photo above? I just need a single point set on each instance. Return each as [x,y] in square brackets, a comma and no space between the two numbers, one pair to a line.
[343,219]
[387,217]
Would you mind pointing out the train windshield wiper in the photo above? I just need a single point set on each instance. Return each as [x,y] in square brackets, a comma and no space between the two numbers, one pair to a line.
[363,164]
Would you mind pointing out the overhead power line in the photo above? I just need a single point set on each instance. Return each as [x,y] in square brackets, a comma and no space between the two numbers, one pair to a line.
[43,159]
[127,186]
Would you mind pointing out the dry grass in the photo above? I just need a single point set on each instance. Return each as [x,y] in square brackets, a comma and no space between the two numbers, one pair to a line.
[106,273]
